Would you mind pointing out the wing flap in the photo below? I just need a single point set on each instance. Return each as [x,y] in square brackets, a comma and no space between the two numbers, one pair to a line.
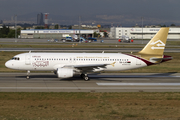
[87,67]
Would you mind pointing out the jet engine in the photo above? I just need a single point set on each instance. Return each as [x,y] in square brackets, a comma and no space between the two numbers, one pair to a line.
[64,73]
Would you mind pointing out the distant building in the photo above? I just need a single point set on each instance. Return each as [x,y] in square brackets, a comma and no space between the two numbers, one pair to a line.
[84,27]
[40,20]
[139,33]
[56,34]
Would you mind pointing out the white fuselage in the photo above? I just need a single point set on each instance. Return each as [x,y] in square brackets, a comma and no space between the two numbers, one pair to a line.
[52,61]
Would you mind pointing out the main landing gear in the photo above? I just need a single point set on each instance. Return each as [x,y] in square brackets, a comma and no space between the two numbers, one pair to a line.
[85,76]
[28,74]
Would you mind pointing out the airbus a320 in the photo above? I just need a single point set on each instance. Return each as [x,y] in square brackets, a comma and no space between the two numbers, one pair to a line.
[65,65]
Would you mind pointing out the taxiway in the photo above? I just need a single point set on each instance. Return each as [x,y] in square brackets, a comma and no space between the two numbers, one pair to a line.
[105,82]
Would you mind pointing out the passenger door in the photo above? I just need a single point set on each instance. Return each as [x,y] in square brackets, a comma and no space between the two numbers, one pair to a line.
[28,59]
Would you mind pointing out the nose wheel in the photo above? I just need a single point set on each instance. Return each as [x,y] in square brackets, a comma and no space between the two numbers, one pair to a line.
[85,77]
[28,74]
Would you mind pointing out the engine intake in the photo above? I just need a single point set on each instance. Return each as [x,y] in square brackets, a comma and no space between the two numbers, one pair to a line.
[64,73]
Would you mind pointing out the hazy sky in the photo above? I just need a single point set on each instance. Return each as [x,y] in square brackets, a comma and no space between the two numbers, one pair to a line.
[153,11]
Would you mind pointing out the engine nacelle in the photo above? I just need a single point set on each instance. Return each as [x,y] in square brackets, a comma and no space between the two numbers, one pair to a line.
[64,73]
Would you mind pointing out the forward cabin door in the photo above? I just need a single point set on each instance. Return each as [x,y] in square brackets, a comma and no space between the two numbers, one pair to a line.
[28,59]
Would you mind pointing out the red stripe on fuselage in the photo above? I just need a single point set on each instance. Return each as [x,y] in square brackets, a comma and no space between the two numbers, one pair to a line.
[148,63]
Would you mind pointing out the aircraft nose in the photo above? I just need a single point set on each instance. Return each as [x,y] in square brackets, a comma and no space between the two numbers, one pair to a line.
[8,64]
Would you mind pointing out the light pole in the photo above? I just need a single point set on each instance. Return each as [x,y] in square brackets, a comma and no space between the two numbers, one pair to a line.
[79,29]
[142,30]
[15,28]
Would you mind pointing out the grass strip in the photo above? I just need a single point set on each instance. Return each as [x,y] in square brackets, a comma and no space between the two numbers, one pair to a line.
[88,106]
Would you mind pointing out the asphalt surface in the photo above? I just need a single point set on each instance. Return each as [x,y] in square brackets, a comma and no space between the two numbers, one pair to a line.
[80,50]
[60,41]
[106,82]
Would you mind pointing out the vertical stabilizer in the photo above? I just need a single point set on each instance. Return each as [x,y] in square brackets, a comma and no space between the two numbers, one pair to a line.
[157,44]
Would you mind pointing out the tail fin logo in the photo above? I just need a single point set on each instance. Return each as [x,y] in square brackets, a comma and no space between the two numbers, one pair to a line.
[158,43]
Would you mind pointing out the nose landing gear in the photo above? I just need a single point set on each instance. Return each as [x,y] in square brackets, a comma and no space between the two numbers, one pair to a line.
[28,74]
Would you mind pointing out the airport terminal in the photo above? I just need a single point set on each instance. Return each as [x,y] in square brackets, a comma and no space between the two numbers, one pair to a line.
[139,33]
[115,33]
[56,34]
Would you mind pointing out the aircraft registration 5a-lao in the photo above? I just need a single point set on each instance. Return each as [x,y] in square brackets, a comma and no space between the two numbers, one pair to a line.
[66,65]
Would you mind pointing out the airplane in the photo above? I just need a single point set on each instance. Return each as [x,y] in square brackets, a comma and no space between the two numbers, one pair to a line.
[125,38]
[66,65]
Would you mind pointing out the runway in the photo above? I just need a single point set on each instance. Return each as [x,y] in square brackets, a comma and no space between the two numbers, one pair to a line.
[80,49]
[105,82]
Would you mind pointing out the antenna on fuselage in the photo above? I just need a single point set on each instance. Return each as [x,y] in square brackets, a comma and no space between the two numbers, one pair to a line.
[102,51]
[30,51]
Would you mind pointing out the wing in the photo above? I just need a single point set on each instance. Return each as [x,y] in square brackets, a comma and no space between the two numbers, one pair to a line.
[88,67]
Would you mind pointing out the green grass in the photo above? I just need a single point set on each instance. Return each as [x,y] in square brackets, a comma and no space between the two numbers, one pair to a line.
[170,44]
[173,42]
[88,106]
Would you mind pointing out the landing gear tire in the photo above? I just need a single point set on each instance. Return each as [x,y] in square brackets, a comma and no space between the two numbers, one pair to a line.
[28,73]
[27,77]
[85,77]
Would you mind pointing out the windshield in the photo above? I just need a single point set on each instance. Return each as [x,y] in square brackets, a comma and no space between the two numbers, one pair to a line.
[15,58]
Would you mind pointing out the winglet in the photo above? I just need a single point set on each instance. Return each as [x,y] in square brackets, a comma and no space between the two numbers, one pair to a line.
[157,44]
[113,64]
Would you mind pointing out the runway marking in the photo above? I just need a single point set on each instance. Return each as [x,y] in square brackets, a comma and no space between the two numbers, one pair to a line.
[141,84]
[86,88]
[134,76]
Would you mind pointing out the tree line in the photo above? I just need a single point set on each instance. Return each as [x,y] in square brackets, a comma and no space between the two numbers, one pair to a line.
[6,32]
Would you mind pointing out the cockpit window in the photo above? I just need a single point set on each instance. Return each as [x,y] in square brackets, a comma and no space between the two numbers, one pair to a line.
[15,58]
